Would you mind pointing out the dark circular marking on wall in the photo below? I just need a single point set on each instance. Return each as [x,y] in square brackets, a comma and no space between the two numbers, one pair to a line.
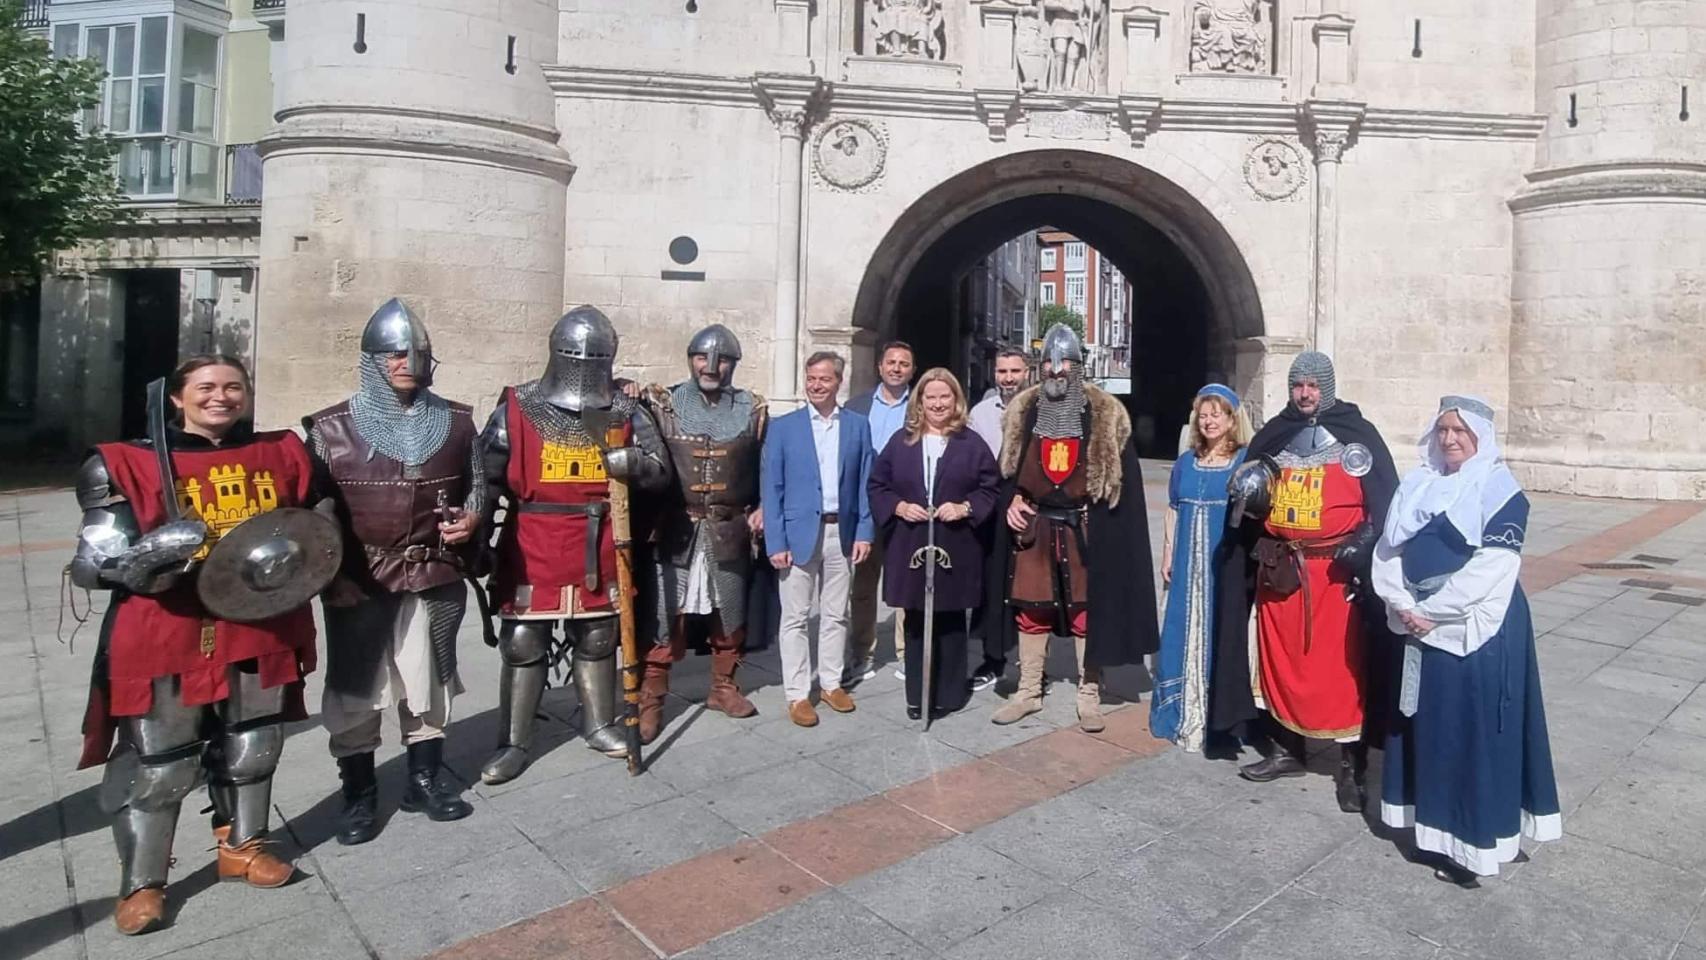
[683,250]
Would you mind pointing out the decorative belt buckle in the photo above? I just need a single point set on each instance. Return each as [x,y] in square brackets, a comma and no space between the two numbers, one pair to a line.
[417,553]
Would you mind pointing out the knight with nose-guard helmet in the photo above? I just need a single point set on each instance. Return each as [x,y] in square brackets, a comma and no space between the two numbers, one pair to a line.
[401,464]
[550,450]
[706,525]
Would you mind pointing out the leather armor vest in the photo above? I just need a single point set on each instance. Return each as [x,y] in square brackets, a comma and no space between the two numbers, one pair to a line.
[718,484]
[392,511]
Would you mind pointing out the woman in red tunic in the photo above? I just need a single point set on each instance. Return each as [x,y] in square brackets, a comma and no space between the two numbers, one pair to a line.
[181,690]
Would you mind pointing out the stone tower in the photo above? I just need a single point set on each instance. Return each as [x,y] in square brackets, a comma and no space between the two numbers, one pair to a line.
[1608,334]
[415,155]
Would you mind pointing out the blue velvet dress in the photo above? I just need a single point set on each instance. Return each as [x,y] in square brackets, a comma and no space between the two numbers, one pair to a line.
[1471,770]
[1178,710]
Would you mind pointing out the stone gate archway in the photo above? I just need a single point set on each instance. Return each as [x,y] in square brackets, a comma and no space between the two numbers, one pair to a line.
[1193,293]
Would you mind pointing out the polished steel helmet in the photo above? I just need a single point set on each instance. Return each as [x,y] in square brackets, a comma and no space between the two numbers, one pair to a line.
[580,372]
[1061,343]
[393,329]
[717,343]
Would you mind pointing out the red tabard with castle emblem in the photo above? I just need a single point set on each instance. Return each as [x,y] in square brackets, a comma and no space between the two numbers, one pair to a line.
[1311,678]
[546,551]
[164,634]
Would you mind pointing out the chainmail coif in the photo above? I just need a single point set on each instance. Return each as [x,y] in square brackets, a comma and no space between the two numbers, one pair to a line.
[566,427]
[1317,366]
[1064,418]
[409,434]
[730,417]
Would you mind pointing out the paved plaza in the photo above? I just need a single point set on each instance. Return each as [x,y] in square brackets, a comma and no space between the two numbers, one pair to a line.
[865,838]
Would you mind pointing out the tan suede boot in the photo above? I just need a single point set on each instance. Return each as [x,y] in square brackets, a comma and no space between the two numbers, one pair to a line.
[1089,694]
[1028,698]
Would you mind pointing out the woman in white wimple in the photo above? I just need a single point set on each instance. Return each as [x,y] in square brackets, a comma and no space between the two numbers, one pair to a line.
[1468,762]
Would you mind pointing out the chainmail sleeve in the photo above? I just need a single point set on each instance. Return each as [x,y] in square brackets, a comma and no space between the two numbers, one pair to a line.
[491,451]
[475,503]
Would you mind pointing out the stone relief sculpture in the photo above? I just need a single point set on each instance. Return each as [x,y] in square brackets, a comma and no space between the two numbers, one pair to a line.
[1228,36]
[1060,46]
[906,28]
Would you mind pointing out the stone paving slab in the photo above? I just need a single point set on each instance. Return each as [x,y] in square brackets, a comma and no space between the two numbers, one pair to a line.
[971,841]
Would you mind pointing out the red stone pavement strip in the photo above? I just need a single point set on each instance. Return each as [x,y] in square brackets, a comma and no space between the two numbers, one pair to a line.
[1549,570]
[36,546]
[680,906]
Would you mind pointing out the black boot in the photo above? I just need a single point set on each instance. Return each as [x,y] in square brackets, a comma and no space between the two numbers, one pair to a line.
[428,792]
[359,822]
[1349,781]
[1284,760]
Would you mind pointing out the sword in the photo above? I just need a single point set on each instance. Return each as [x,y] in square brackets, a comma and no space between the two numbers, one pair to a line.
[929,608]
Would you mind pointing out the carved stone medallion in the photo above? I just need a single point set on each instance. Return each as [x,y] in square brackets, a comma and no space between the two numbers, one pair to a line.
[1274,168]
[849,153]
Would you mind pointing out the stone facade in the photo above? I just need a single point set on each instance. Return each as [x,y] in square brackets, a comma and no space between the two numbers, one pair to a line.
[1404,193]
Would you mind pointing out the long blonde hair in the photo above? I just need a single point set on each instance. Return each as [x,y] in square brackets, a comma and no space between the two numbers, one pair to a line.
[915,405]
[1240,434]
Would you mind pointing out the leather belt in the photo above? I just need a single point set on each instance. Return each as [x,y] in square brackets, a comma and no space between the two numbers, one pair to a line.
[716,512]
[594,513]
[1297,551]
[413,553]
[832,518]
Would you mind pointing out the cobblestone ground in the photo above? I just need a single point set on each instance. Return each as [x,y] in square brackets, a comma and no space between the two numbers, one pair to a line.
[864,837]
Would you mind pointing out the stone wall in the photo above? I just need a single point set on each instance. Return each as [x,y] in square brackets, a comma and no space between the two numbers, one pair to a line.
[417,167]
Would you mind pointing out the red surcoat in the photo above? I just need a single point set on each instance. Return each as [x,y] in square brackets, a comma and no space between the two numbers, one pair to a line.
[171,633]
[1311,673]
[544,566]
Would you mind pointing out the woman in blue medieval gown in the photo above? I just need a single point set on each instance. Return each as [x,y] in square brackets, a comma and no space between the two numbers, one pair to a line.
[1468,763]
[1196,519]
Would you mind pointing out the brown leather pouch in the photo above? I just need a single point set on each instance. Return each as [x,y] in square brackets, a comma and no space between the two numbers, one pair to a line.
[1276,567]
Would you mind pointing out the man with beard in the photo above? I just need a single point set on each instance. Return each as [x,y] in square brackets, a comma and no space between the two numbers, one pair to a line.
[704,530]
[1074,547]
[1010,370]
[1308,506]
[400,463]
[550,449]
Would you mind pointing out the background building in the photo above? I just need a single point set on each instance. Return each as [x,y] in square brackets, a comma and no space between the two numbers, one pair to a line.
[1494,197]
[1075,275]
[187,94]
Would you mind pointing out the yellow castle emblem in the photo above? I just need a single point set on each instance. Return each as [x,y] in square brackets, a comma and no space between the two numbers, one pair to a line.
[1297,498]
[231,502]
[560,463]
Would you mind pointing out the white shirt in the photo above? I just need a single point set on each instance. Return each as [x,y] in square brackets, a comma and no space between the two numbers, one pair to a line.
[826,436]
[985,420]
[933,447]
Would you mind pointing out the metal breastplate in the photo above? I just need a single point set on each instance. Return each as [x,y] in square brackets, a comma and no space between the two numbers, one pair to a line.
[1312,446]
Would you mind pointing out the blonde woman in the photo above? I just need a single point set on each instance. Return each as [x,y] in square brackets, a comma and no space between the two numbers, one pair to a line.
[934,468]
[1196,521]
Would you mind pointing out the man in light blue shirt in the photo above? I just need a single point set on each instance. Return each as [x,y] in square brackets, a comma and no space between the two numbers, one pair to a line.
[885,409]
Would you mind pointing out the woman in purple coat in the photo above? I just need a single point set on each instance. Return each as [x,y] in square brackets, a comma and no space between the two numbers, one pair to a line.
[934,467]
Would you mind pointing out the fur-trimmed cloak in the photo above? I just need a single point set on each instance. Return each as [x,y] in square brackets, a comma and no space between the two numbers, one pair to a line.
[1123,622]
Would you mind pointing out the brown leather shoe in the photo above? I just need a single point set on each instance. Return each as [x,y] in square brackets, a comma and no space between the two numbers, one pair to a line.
[801,712]
[839,700]
[251,863]
[140,912]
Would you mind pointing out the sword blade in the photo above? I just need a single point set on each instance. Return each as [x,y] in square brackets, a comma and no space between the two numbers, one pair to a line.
[162,453]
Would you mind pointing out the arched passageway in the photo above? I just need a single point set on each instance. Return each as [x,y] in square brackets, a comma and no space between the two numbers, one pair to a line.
[1192,292]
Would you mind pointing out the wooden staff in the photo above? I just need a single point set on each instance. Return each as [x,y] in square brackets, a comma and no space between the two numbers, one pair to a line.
[622,531]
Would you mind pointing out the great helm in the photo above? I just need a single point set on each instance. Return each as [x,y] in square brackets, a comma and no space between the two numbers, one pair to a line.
[717,343]
[394,329]
[583,356]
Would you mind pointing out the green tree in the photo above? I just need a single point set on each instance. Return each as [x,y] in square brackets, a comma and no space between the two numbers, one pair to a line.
[1053,313]
[58,187]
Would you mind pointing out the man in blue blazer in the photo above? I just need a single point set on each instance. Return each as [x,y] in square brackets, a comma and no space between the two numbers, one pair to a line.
[817,528]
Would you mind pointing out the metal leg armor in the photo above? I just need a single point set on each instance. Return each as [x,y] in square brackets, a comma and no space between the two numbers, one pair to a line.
[596,684]
[150,773]
[240,770]
[525,646]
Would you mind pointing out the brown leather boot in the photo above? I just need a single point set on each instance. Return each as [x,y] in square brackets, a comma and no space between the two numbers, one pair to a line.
[725,695]
[654,686]
[140,912]
[1089,694]
[250,862]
